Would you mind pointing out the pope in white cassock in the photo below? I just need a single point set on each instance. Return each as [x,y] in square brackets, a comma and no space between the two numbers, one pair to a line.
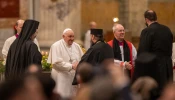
[64,56]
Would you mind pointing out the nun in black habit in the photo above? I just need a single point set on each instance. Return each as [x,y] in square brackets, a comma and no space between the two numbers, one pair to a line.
[23,52]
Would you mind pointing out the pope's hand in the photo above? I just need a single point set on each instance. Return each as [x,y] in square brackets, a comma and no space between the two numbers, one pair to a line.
[74,65]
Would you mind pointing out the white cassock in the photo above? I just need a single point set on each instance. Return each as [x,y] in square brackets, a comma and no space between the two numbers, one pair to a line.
[62,56]
[173,54]
[8,43]
[173,60]
[122,63]
[87,40]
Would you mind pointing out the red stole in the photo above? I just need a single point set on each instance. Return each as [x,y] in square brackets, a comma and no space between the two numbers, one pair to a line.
[130,49]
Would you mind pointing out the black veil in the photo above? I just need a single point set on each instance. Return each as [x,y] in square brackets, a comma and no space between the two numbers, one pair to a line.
[23,52]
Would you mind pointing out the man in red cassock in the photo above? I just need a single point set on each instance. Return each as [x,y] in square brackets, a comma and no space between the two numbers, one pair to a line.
[124,51]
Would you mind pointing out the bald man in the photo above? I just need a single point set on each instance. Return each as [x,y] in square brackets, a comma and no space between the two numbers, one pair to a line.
[64,56]
[124,51]
[10,40]
[87,40]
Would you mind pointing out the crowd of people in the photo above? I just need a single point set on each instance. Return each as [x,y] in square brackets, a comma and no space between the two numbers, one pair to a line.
[108,70]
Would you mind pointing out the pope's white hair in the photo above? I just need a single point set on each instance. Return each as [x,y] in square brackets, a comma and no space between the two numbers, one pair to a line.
[67,29]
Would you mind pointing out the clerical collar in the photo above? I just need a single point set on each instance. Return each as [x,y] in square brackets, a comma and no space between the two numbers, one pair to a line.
[66,43]
[95,43]
[17,35]
[120,43]
[153,23]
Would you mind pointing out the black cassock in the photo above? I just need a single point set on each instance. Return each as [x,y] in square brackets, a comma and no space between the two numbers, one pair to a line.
[157,39]
[95,55]
[22,52]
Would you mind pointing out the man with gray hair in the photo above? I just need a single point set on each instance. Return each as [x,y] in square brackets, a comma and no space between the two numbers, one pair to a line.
[124,51]
[64,56]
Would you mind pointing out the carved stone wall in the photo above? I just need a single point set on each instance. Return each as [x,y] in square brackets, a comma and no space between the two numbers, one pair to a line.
[54,17]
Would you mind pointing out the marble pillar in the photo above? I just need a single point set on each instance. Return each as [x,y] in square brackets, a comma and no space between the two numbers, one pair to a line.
[136,16]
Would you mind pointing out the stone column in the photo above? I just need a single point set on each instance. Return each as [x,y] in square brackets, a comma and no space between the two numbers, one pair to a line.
[136,16]
[124,13]
[136,20]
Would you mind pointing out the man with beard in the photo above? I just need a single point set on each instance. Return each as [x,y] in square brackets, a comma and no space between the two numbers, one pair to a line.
[157,39]
[98,53]
[64,56]
[124,51]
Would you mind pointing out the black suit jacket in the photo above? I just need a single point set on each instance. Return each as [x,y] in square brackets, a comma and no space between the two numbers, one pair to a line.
[156,39]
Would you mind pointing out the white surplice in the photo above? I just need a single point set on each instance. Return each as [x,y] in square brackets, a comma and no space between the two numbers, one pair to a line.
[134,55]
[173,54]
[87,40]
[61,57]
[122,63]
[8,43]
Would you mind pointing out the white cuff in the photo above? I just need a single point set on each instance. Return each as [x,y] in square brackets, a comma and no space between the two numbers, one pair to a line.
[124,67]
[71,68]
